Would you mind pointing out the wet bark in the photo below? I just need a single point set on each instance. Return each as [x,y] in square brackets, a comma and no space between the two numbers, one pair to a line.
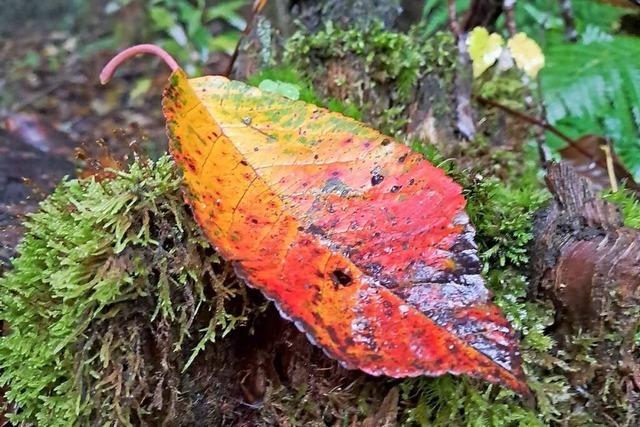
[588,264]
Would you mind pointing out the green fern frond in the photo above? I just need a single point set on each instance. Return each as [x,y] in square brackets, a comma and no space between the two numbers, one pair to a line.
[435,16]
[595,88]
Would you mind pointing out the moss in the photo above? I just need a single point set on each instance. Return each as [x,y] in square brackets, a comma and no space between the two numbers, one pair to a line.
[114,292]
[371,61]
[629,205]
[388,55]
[112,295]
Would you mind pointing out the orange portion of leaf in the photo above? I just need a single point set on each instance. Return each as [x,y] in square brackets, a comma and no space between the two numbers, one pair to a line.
[359,241]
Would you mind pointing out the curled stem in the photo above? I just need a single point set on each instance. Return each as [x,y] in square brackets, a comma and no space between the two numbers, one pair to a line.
[111,67]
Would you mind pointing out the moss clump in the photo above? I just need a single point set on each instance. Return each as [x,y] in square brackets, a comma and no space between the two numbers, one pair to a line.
[373,68]
[111,297]
[629,205]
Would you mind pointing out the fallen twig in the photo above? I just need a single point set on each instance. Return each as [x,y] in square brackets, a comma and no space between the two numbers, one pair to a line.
[258,5]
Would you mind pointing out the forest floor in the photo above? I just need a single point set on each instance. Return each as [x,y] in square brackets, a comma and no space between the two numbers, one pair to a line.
[56,120]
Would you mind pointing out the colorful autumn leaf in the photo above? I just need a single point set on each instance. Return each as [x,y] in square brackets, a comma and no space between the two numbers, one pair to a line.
[484,49]
[526,53]
[358,240]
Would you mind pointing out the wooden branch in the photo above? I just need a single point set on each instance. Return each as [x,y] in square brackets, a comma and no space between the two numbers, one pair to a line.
[453,19]
[509,6]
[258,5]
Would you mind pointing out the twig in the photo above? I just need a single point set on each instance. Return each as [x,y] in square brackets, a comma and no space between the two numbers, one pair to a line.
[453,19]
[509,6]
[464,117]
[535,121]
[610,162]
[566,9]
[610,167]
[258,5]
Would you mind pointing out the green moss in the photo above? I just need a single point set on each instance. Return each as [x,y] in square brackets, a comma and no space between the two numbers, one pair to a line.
[104,301]
[450,401]
[393,56]
[372,59]
[627,202]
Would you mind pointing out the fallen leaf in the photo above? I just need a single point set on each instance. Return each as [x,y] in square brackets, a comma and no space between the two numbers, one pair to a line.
[590,161]
[484,49]
[359,241]
[526,53]
[35,131]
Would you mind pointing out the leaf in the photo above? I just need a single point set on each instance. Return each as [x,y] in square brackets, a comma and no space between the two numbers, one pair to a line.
[526,53]
[484,49]
[588,158]
[228,11]
[359,241]
[611,71]
[162,18]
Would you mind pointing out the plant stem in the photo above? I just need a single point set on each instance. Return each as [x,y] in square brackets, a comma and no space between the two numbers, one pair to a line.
[509,6]
[566,9]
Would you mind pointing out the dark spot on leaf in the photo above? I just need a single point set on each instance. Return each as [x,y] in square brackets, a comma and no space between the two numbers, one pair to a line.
[386,142]
[244,162]
[396,188]
[376,179]
[341,278]
[403,158]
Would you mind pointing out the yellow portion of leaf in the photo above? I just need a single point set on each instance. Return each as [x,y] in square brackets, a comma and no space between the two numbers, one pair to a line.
[484,49]
[526,53]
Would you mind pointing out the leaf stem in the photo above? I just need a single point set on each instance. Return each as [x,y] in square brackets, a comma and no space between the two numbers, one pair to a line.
[111,67]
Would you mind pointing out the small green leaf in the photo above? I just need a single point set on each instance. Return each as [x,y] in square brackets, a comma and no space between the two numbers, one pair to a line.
[287,90]
[162,18]
[484,49]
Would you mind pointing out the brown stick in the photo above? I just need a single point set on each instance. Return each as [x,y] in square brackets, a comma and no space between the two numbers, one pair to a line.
[453,18]
[509,6]
[527,118]
[464,115]
[534,121]
[258,5]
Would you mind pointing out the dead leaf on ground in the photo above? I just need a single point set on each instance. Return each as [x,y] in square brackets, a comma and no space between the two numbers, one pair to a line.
[589,160]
